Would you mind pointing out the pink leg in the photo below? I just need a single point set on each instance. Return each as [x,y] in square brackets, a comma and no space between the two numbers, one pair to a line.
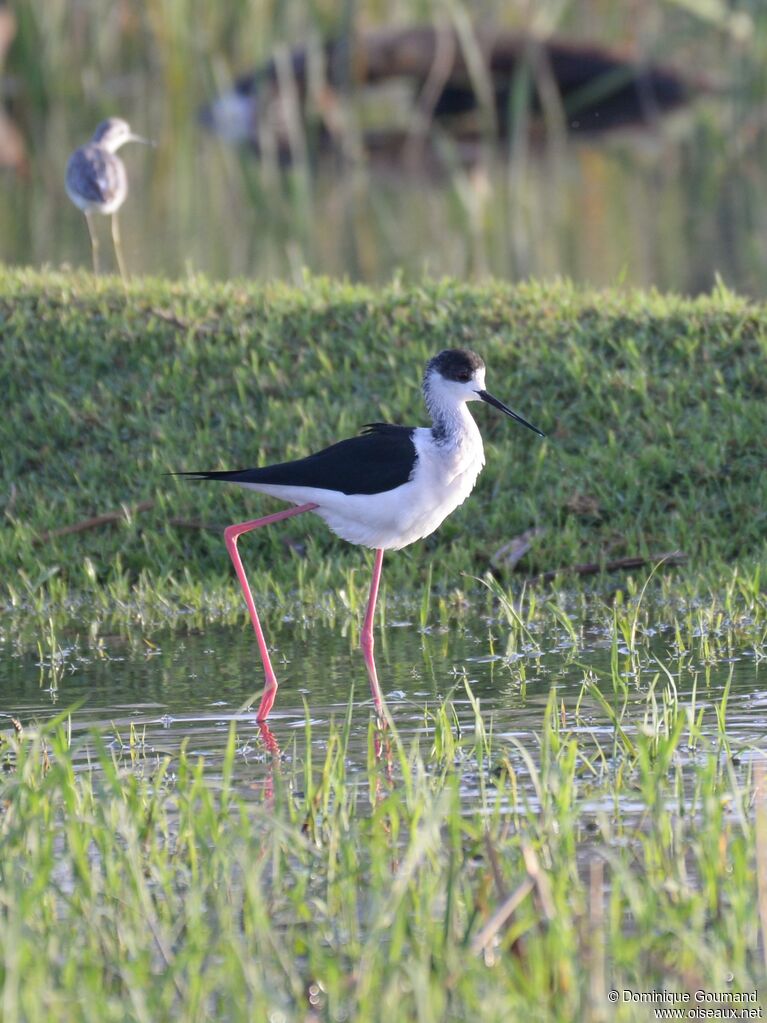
[269,740]
[231,535]
[273,747]
[367,641]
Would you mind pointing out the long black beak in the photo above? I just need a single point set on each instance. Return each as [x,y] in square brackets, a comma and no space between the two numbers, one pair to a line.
[509,412]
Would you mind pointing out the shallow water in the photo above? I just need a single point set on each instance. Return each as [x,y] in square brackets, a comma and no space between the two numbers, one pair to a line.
[188,688]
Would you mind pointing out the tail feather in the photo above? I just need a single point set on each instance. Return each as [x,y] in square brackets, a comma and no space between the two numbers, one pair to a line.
[226,475]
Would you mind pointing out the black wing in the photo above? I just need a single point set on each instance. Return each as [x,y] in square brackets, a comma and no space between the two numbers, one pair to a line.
[381,458]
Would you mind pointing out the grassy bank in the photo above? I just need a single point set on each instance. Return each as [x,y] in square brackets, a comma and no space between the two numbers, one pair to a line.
[654,408]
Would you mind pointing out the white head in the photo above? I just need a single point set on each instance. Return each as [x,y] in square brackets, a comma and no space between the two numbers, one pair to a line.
[455,376]
[115,132]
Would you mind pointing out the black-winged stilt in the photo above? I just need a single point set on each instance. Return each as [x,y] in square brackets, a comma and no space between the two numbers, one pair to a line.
[384,489]
[96,180]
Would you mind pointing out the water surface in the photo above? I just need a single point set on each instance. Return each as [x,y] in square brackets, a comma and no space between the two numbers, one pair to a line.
[188,688]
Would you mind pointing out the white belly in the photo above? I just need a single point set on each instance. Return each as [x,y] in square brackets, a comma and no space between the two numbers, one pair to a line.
[443,479]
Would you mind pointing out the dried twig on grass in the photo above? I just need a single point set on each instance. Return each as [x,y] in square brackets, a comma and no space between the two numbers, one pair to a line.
[501,916]
[108,518]
[594,567]
[536,882]
[196,524]
[167,316]
[171,318]
[540,881]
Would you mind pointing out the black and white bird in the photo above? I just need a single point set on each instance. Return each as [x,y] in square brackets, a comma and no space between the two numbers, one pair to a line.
[384,489]
[96,180]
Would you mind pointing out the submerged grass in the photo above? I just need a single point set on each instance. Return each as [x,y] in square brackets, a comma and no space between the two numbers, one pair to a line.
[654,407]
[437,884]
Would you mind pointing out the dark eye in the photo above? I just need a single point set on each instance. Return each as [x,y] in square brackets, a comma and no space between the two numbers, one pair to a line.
[464,377]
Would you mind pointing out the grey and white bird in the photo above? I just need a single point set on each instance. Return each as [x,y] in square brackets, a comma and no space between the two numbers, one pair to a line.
[96,180]
[384,489]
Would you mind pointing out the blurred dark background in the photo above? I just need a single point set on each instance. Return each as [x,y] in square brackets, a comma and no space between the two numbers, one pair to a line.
[612,142]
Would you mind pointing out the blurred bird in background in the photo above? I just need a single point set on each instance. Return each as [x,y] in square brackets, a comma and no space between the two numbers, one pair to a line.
[96,181]
[464,85]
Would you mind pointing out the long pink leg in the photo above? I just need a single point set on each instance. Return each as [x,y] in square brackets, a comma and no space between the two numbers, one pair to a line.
[231,536]
[367,641]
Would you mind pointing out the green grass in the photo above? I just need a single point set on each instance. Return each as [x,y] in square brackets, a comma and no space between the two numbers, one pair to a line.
[318,893]
[629,831]
[654,408]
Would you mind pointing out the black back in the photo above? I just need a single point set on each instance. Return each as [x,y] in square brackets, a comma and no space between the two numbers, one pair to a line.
[381,458]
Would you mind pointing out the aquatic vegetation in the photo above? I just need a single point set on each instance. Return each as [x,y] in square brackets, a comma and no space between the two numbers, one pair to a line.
[450,874]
